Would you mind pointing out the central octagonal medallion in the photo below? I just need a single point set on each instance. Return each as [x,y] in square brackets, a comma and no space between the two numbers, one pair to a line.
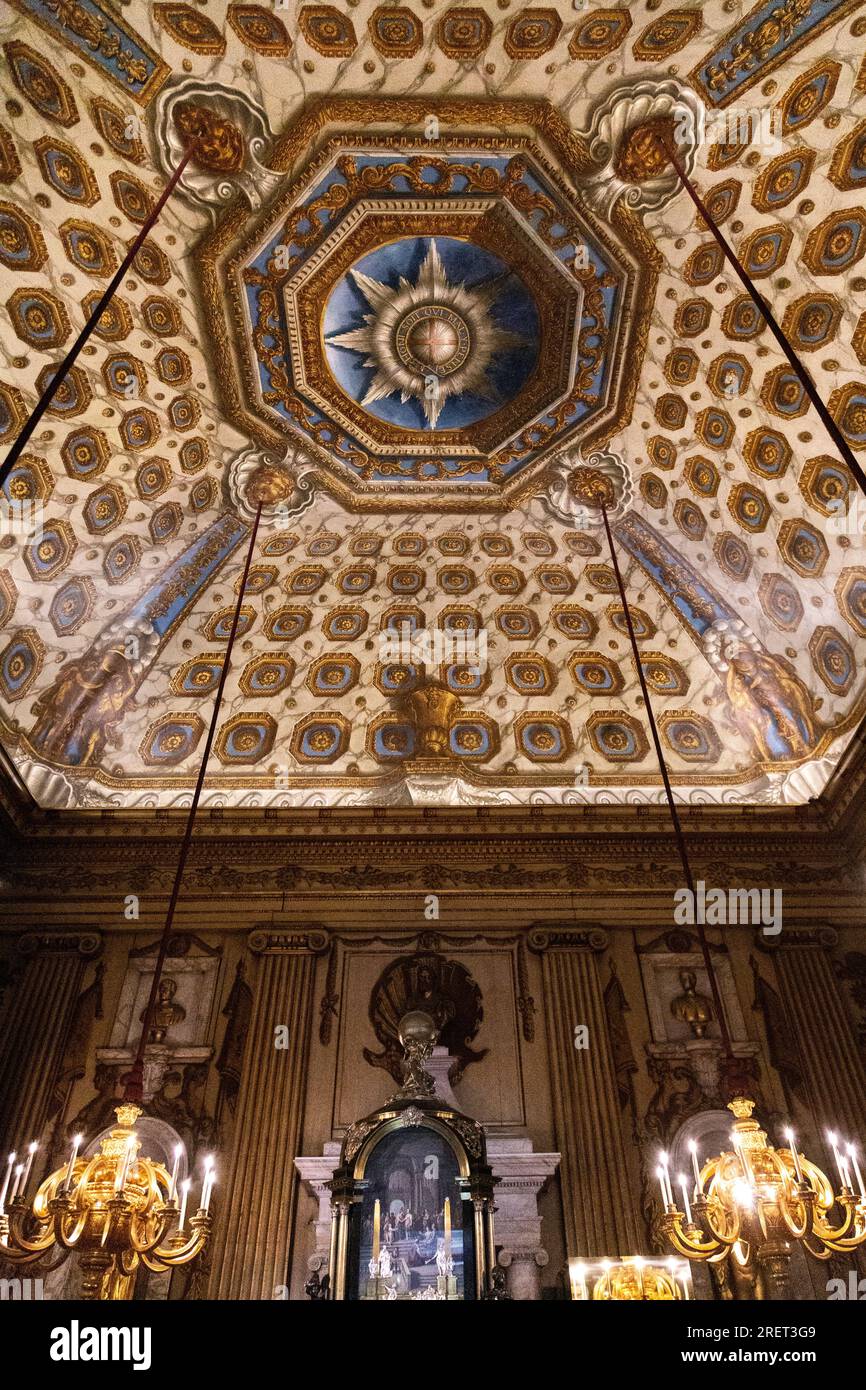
[433,320]
[430,346]
[442,344]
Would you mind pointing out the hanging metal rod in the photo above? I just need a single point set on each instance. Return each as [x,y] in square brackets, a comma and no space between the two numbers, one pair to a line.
[678,830]
[775,328]
[134,1081]
[69,360]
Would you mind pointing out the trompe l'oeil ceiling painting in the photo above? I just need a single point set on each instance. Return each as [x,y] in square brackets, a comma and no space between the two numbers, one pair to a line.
[421,265]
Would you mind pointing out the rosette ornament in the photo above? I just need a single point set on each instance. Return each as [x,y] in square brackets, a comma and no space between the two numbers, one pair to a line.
[623,143]
[231,139]
[284,485]
[578,489]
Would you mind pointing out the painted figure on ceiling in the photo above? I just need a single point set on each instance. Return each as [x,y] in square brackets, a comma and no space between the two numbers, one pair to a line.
[76,714]
[769,702]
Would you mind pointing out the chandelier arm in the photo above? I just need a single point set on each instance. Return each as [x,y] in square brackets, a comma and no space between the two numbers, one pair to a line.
[38,1243]
[696,1249]
[797,1231]
[824,1252]
[140,1237]
[727,1237]
[839,1239]
[69,1240]
[843,1246]
[21,1256]
[695,1252]
[182,1253]
[829,1233]
[154,1265]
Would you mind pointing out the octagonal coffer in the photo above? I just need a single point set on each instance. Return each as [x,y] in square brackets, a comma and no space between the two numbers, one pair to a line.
[431,323]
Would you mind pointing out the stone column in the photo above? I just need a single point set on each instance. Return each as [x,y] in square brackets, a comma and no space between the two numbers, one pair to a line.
[598,1202]
[832,1065]
[38,1014]
[517,1225]
[255,1212]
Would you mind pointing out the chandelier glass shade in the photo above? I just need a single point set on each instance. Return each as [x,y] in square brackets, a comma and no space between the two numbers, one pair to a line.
[116,1210]
[754,1197]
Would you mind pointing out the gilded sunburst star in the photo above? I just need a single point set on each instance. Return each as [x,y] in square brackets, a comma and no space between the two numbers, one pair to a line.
[431,340]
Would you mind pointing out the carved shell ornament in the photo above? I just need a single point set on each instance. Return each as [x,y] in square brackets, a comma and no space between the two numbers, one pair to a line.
[284,483]
[724,638]
[622,142]
[577,485]
[232,139]
[47,786]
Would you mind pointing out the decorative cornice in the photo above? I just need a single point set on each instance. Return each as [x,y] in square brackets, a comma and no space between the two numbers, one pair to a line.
[463,855]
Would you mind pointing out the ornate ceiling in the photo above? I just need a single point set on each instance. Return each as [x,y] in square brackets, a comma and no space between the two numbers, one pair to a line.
[422,267]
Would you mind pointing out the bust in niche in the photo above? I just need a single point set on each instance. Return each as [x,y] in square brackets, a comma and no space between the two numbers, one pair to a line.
[691,1008]
[167,1011]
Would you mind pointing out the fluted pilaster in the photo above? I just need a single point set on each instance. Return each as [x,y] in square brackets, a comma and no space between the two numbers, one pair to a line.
[34,1031]
[832,1064]
[597,1198]
[253,1228]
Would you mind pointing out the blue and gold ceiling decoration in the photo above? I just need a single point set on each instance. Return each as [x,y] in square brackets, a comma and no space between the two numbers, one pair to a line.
[481,243]
[390,290]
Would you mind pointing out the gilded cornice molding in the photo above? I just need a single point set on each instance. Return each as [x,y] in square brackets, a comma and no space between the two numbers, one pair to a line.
[251,868]
[553,937]
[828,826]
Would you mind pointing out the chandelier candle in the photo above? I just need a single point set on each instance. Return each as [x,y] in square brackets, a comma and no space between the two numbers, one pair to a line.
[852,1154]
[684,1189]
[31,1150]
[172,1191]
[665,1180]
[9,1167]
[76,1145]
[209,1180]
[789,1135]
[696,1168]
[184,1187]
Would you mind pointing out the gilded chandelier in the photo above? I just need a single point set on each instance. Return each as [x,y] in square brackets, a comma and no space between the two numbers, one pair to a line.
[117,1210]
[632,1279]
[753,1199]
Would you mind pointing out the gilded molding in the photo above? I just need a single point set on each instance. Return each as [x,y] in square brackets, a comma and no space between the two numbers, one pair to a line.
[97,33]
[318,136]
[768,25]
